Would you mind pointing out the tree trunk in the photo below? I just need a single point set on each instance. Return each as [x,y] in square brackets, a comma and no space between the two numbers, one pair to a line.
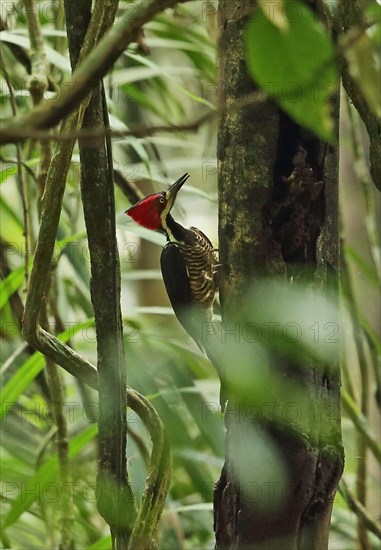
[278,217]
[115,500]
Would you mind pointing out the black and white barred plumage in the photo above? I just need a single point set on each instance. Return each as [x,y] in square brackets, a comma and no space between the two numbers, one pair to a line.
[201,260]
[189,266]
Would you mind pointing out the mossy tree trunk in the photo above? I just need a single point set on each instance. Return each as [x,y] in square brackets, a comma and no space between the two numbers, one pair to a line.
[278,217]
[115,501]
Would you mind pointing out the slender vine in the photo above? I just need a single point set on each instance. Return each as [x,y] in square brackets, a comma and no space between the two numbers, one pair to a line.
[94,62]
[37,84]
[159,471]
[23,190]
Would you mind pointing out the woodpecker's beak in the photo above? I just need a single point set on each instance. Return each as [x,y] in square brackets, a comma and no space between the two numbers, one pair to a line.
[175,188]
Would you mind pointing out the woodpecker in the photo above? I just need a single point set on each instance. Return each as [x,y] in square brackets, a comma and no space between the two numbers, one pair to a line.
[188,261]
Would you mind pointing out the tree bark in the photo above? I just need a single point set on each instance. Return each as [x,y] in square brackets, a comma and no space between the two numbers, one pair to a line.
[278,217]
[115,499]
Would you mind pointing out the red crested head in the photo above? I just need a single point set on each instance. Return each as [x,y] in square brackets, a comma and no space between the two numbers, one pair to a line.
[147,211]
[151,212]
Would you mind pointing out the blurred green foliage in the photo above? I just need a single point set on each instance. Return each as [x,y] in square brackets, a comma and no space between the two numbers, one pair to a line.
[170,79]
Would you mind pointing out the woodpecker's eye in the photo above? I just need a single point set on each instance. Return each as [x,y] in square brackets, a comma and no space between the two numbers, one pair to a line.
[162,200]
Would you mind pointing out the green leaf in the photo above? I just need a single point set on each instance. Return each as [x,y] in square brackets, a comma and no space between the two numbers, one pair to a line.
[196,456]
[169,43]
[367,269]
[14,280]
[19,381]
[169,141]
[10,170]
[132,94]
[143,275]
[10,284]
[48,473]
[136,74]
[373,13]
[70,239]
[294,65]
[104,543]
[201,506]
[275,12]
[11,227]
[53,57]
[147,234]
[29,370]
[195,97]
[371,333]
[361,423]
[152,69]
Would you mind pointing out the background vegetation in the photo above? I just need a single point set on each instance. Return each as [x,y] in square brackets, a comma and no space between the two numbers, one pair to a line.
[167,79]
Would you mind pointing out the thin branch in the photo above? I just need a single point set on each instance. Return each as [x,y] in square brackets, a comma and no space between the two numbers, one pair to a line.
[128,188]
[59,24]
[12,358]
[21,181]
[362,171]
[360,166]
[38,82]
[91,67]
[139,131]
[57,392]
[18,52]
[158,479]
[115,498]
[140,444]
[51,209]
[52,204]
[356,507]
[21,162]
[352,17]
[371,123]
[11,134]
[361,424]
[56,389]
[160,466]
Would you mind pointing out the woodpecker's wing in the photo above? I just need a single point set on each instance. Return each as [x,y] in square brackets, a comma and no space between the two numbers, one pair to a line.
[176,281]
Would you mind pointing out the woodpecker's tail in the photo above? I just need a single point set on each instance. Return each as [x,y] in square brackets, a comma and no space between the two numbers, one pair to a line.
[211,344]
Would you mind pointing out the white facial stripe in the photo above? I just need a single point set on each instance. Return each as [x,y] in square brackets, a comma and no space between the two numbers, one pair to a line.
[166,209]
[164,213]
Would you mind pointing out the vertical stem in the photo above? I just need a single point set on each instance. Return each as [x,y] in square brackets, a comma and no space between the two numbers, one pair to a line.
[57,391]
[351,15]
[37,85]
[59,23]
[362,447]
[115,502]
[21,181]
[35,37]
